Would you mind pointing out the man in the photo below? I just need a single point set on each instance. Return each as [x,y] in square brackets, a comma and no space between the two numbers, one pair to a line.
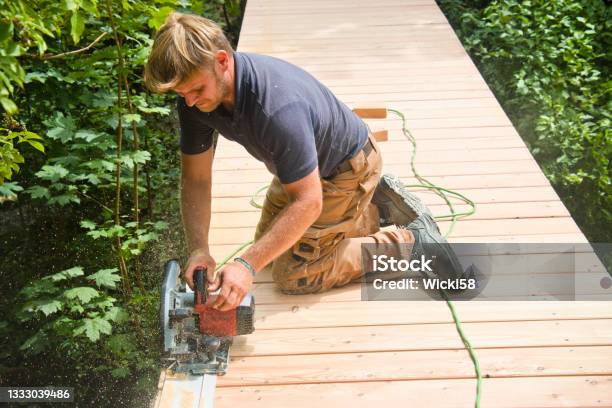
[327,166]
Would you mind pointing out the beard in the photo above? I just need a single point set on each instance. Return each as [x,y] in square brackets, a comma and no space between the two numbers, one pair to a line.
[221,89]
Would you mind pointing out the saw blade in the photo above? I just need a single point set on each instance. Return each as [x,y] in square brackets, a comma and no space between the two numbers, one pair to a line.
[167,302]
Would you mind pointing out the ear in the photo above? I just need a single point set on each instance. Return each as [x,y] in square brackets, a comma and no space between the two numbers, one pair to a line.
[222,60]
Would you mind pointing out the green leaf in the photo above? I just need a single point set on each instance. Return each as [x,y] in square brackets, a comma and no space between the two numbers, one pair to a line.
[36,76]
[42,286]
[103,99]
[127,160]
[52,173]
[105,277]
[120,344]
[162,110]
[92,178]
[121,372]
[34,344]
[64,199]
[95,234]
[37,145]
[90,225]
[158,17]
[141,156]
[93,328]
[38,192]
[100,165]
[77,309]
[6,31]
[83,293]
[160,225]
[90,6]
[49,306]
[63,129]
[88,135]
[8,105]
[131,117]
[147,237]
[9,189]
[105,303]
[71,5]
[66,274]
[77,23]
[116,314]
[116,230]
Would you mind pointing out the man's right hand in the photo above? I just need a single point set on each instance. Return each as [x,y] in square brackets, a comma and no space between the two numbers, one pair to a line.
[200,258]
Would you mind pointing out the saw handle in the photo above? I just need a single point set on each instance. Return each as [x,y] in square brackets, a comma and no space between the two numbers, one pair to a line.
[199,276]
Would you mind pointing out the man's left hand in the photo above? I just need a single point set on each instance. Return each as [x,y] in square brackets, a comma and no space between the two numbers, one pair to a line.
[236,282]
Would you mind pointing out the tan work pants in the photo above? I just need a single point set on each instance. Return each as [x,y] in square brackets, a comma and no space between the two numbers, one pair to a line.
[329,253]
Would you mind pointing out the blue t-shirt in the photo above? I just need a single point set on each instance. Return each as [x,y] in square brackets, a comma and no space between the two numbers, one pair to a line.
[282,115]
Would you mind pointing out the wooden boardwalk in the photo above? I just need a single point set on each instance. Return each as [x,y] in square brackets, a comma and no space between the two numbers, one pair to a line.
[332,350]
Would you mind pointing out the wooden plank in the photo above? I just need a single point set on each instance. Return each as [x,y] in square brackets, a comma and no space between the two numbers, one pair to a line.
[391,98]
[441,67]
[348,93]
[426,170]
[471,228]
[407,51]
[321,10]
[221,251]
[374,112]
[268,293]
[576,237]
[543,392]
[436,142]
[347,33]
[448,51]
[394,123]
[399,145]
[246,190]
[451,122]
[491,211]
[296,25]
[318,9]
[374,83]
[271,5]
[414,365]
[333,23]
[285,47]
[390,157]
[360,339]
[179,391]
[378,315]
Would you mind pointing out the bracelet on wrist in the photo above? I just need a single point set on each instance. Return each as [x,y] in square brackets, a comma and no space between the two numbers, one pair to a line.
[246,265]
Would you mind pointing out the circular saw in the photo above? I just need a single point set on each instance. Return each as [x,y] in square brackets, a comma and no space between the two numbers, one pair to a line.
[196,338]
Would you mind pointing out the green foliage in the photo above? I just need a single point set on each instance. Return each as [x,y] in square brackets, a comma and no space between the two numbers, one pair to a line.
[134,236]
[10,157]
[63,305]
[549,65]
[21,28]
[71,72]
[10,190]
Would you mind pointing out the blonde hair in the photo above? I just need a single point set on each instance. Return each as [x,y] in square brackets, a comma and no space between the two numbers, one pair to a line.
[184,43]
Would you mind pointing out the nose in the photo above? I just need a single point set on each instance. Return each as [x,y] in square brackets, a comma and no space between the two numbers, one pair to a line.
[190,99]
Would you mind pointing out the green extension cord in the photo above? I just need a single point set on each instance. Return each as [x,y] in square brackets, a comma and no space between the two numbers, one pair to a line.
[453,216]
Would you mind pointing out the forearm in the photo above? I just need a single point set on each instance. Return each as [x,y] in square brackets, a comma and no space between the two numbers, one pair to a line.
[195,210]
[289,226]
